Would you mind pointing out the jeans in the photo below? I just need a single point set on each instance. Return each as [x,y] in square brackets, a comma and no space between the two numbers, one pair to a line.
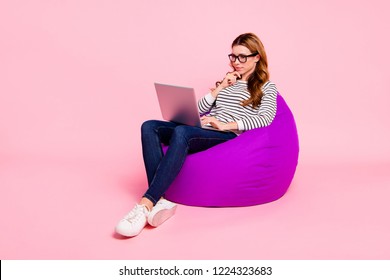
[161,170]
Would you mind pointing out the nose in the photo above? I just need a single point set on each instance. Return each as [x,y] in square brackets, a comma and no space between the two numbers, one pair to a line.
[237,62]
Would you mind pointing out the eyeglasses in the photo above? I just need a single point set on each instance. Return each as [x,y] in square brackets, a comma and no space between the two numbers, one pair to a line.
[241,57]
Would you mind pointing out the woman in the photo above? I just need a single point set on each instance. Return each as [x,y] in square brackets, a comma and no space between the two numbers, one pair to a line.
[245,99]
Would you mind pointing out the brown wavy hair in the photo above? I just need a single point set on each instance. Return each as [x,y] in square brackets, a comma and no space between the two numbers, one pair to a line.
[261,75]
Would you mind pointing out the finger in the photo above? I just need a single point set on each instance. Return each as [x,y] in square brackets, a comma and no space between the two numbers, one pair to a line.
[232,80]
[229,75]
[236,74]
[215,125]
[204,120]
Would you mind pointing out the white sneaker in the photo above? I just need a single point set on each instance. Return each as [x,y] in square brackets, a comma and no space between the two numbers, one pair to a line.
[133,223]
[161,212]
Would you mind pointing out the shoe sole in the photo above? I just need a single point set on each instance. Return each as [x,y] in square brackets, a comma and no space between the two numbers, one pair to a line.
[126,233]
[162,216]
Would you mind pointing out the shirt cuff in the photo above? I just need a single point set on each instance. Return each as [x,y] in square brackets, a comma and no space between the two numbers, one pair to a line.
[240,125]
[209,98]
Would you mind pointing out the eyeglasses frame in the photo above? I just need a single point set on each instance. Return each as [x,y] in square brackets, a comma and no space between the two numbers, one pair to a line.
[241,55]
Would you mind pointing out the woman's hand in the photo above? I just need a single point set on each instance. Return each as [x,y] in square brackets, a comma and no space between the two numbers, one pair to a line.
[228,80]
[217,124]
[212,121]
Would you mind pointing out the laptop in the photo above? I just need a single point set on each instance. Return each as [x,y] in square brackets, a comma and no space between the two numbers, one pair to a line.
[178,104]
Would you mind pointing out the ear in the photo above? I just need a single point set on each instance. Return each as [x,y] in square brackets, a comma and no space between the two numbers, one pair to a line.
[257,58]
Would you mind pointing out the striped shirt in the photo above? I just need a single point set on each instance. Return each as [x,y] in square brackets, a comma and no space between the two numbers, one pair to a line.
[227,106]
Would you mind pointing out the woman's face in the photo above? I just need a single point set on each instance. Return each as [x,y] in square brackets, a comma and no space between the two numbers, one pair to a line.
[244,68]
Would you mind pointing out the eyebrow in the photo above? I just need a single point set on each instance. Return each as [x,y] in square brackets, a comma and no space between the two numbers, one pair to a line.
[240,54]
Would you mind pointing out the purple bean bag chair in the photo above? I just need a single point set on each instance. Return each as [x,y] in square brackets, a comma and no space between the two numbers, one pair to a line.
[254,168]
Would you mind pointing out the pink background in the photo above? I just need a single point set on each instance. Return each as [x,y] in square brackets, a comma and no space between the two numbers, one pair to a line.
[76,82]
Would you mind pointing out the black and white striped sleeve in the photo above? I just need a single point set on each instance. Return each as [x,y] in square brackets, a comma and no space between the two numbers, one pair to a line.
[266,112]
[205,103]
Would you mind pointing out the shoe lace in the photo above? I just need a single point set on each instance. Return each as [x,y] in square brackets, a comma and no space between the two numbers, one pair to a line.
[135,214]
